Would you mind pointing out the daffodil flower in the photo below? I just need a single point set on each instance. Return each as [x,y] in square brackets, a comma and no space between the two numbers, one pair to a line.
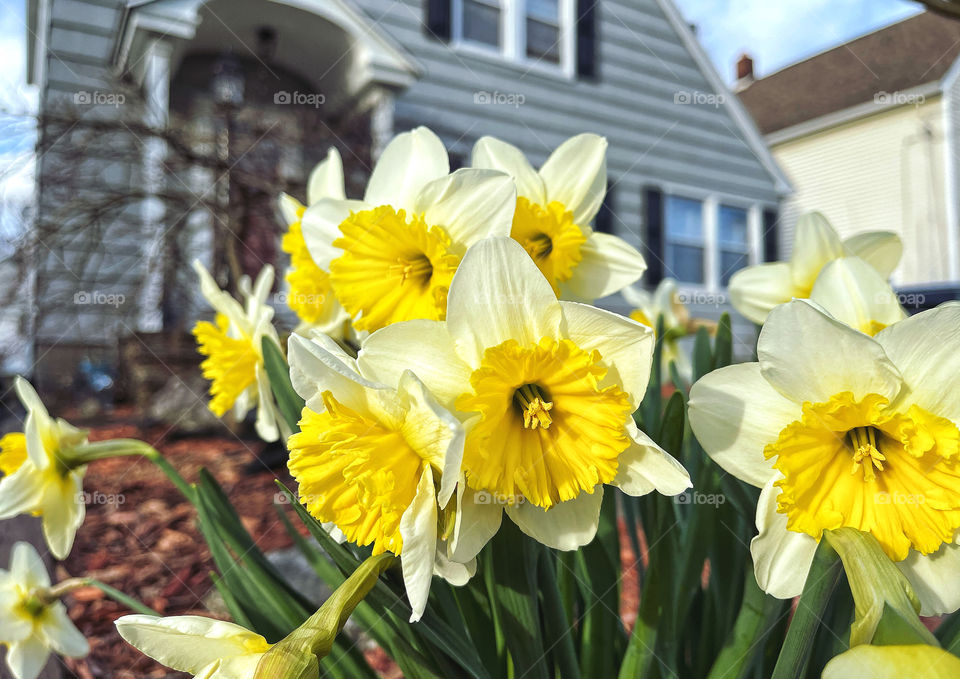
[206,648]
[32,621]
[377,460]
[233,347]
[391,256]
[893,662]
[854,293]
[842,429]
[42,475]
[755,290]
[665,302]
[546,390]
[555,207]
[310,293]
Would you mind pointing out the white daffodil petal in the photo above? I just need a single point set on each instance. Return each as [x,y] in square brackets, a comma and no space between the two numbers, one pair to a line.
[855,294]
[576,175]
[326,179]
[934,578]
[893,662]
[61,634]
[470,205]
[457,574]
[14,625]
[923,347]
[499,294]
[222,302]
[735,413]
[565,526]
[29,398]
[880,249]
[418,528]
[815,244]
[477,521]
[809,356]
[320,226]
[290,208]
[433,432]
[245,666]
[645,467]
[625,346]
[314,370]
[267,416]
[781,558]
[28,657]
[423,346]
[187,643]
[63,511]
[21,492]
[608,264]
[492,154]
[408,162]
[27,568]
[756,290]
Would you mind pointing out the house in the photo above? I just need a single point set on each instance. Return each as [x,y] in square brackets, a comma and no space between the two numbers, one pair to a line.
[134,94]
[869,134]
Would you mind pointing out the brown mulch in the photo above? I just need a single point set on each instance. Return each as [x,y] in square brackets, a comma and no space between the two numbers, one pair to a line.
[140,537]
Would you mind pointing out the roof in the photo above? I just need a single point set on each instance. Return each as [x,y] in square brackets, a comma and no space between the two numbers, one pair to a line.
[916,51]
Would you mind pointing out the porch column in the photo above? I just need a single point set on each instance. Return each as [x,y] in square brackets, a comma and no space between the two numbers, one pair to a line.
[156,87]
[381,121]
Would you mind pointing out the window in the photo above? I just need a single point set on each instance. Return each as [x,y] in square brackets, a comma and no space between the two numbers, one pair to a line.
[733,241]
[543,30]
[604,220]
[526,31]
[481,21]
[684,243]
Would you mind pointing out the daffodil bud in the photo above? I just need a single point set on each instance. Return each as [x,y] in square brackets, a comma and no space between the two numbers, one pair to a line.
[296,656]
[886,604]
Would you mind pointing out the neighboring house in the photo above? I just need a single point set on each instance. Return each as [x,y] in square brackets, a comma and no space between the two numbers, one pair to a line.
[869,134]
[690,178]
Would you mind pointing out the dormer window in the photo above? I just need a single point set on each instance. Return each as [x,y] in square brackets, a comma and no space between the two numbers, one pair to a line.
[535,33]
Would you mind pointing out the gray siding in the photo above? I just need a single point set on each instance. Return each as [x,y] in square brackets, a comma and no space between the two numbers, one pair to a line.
[642,65]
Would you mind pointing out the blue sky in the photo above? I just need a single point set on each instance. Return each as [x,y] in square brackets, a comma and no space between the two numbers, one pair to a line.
[777,33]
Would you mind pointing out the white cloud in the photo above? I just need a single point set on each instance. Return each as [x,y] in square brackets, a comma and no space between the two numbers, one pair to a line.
[780,32]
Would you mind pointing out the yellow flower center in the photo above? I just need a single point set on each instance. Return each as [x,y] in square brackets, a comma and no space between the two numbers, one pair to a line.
[547,430]
[355,472]
[231,363]
[551,237]
[639,316]
[13,452]
[864,465]
[393,268]
[311,295]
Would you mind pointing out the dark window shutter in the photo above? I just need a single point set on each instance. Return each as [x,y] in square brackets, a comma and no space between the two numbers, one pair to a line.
[605,216]
[771,235]
[438,21]
[587,38]
[653,229]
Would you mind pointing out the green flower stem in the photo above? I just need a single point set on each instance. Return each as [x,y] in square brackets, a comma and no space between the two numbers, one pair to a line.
[825,572]
[101,450]
[756,618]
[119,597]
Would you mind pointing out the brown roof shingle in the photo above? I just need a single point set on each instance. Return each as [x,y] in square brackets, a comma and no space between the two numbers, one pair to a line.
[912,52]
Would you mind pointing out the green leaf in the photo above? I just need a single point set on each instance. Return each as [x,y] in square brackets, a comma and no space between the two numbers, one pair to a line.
[288,400]
[702,354]
[723,353]
[825,573]
[514,593]
[757,614]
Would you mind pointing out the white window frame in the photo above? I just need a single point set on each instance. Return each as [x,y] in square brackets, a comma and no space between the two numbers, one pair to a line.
[513,36]
[711,235]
